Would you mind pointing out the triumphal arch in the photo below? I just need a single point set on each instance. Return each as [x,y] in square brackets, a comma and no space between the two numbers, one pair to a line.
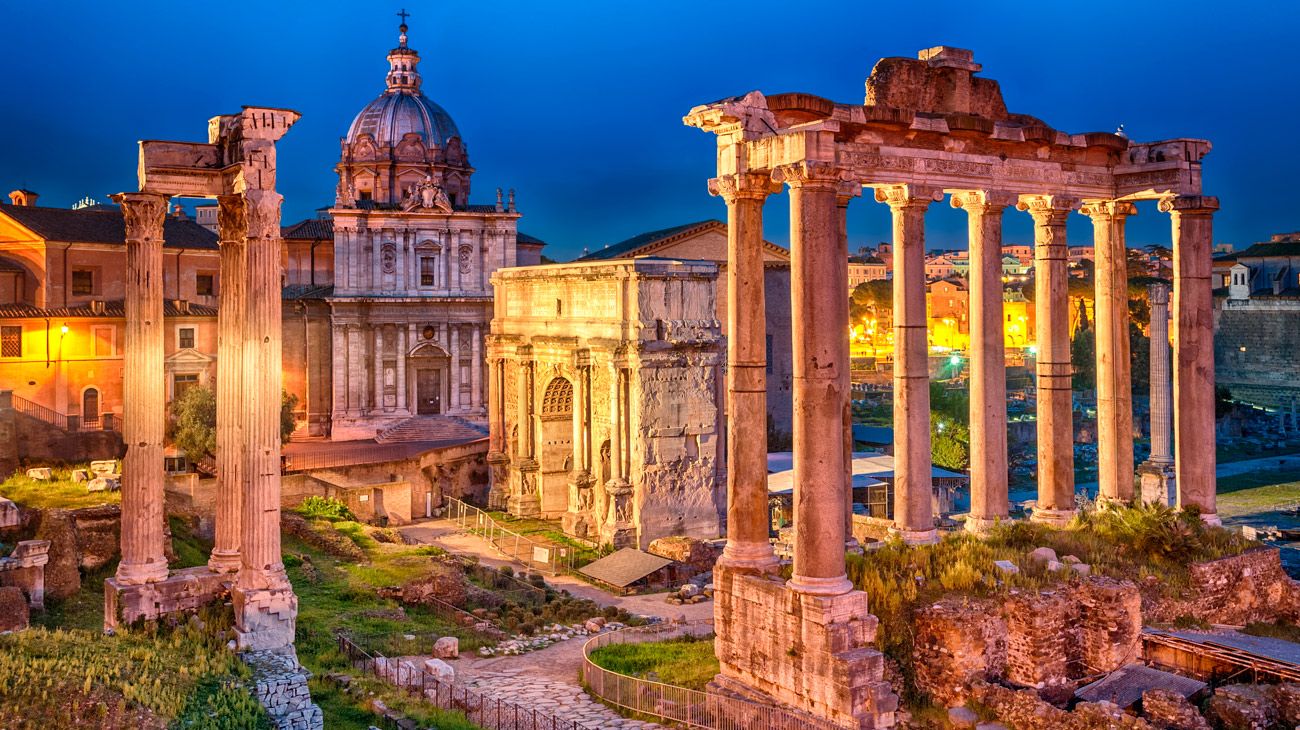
[929,128]
[237,167]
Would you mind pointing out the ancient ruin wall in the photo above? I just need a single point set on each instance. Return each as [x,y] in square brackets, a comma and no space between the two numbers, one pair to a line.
[1236,591]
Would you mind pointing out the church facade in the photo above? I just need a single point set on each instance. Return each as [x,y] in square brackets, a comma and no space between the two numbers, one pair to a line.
[409,297]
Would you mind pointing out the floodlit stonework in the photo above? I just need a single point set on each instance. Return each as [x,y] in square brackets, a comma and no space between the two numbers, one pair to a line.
[604,398]
[929,127]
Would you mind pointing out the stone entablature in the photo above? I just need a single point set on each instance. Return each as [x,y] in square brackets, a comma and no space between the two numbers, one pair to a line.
[605,399]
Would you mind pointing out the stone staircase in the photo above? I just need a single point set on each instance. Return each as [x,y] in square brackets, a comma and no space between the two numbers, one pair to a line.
[432,428]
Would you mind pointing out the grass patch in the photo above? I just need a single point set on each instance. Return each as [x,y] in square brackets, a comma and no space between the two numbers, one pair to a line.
[182,677]
[191,550]
[688,661]
[583,552]
[58,493]
[1278,630]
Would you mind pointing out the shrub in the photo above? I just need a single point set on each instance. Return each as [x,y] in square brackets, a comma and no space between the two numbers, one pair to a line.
[325,508]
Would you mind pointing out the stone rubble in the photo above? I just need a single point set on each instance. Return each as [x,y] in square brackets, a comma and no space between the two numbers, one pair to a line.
[551,634]
[280,685]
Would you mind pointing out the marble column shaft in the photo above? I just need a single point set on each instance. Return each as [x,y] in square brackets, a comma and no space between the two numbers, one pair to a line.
[476,367]
[819,302]
[261,566]
[1194,457]
[1054,372]
[988,381]
[913,491]
[453,376]
[846,192]
[233,234]
[1162,412]
[1114,387]
[143,392]
[748,521]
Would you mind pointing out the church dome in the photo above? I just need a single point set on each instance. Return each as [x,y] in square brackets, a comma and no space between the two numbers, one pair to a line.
[398,112]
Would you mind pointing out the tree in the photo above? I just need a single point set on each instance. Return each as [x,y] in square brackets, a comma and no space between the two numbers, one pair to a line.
[1083,353]
[194,421]
[949,443]
[869,297]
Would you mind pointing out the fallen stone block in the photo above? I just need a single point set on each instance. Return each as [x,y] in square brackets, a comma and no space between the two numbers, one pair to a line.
[103,484]
[1042,555]
[103,467]
[1006,566]
[441,671]
[43,474]
[1081,568]
[14,615]
[1055,565]
[962,718]
[448,647]
[9,514]
[80,475]
[1070,560]
[690,590]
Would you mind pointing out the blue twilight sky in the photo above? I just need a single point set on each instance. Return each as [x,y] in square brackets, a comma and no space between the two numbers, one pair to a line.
[578,105]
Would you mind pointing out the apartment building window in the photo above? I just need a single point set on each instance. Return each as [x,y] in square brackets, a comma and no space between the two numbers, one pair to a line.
[428,270]
[205,285]
[182,382]
[186,337]
[83,282]
[11,341]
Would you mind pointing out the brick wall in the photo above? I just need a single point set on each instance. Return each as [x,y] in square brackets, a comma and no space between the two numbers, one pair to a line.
[1236,591]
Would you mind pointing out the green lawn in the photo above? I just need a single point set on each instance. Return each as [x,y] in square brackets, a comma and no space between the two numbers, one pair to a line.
[60,492]
[684,662]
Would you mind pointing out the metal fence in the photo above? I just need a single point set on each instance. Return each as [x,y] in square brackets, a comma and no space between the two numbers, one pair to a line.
[686,707]
[543,556]
[104,421]
[484,711]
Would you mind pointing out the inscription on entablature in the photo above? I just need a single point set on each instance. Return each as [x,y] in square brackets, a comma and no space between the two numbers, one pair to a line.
[1151,178]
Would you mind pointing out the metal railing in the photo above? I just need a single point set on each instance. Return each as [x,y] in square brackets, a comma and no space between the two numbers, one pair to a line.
[103,422]
[686,707]
[488,712]
[543,556]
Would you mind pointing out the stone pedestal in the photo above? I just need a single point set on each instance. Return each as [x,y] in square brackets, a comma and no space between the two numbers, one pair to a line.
[265,618]
[618,529]
[810,652]
[577,521]
[499,491]
[1157,483]
[524,500]
[188,589]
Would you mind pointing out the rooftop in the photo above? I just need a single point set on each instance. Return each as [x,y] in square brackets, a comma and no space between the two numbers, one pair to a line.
[99,225]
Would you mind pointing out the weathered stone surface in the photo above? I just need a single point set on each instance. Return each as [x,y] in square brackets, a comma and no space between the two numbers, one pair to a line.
[280,685]
[10,515]
[80,475]
[447,647]
[696,556]
[104,467]
[1286,698]
[41,473]
[1241,707]
[440,670]
[183,591]
[13,609]
[1042,555]
[443,583]
[1236,591]
[1025,710]
[97,531]
[103,484]
[1168,710]
[958,640]
[62,577]
[1006,566]
[962,718]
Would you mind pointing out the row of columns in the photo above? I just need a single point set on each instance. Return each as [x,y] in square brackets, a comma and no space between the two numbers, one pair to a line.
[248,392]
[822,470]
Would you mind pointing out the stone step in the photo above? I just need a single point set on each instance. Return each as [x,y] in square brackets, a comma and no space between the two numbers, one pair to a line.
[431,428]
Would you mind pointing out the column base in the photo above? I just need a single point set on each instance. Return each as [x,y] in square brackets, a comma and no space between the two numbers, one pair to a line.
[749,557]
[1156,483]
[814,586]
[134,574]
[1053,517]
[224,561]
[524,500]
[982,525]
[915,537]
[182,591]
[499,491]
[1211,519]
[265,618]
[619,535]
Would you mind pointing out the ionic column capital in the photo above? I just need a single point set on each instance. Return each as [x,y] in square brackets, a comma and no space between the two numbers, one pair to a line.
[1048,210]
[982,202]
[810,174]
[143,214]
[743,185]
[908,195]
[1108,210]
[1189,204]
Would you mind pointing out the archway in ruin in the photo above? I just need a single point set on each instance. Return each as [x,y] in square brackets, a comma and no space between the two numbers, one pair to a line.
[556,453]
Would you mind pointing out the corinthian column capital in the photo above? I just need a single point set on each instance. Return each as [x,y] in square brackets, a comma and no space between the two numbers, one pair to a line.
[980,202]
[232,219]
[908,195]
[143,214]
[1049,210]
[1108,210]
[262,208]
[1189,204]
[810,173]
[748,185]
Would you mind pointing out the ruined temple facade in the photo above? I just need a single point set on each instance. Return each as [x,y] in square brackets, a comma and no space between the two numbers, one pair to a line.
[928,129]
[413,261]
[605,397]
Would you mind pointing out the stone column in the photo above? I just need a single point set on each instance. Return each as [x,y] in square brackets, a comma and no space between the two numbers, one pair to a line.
[265,605]
[144,391]
[845,193]
[618,529]
[913,491]
[1194,458]
[1157,471]
[818,280]
[988,381]
[575,521]
[524,500]
[476,367]
[1052,316]
[232,225]
[1114,387]
[377,362]
[453,377]
[748,522]
[499,491]
[401,368]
